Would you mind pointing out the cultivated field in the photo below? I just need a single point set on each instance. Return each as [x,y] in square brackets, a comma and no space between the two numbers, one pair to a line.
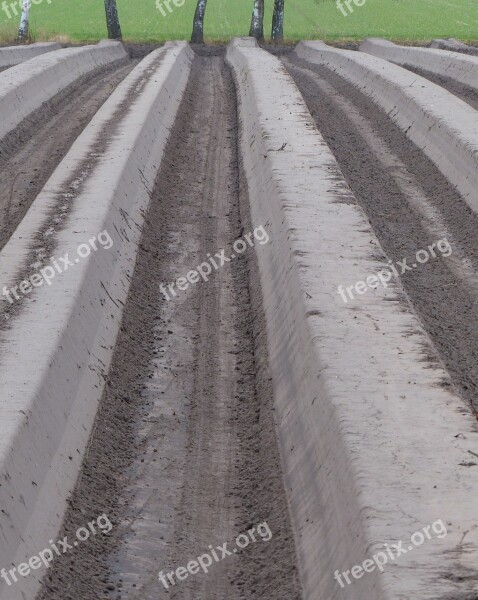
[238,320]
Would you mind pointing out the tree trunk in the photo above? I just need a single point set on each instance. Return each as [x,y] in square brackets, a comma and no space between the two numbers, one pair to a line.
[24,20]
[278,21]
[257,21]
[198,23]
[112,20]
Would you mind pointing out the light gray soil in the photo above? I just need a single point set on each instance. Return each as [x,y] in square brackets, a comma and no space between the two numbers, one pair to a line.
[464,92]
[31,152]
[410,205]
[184,452]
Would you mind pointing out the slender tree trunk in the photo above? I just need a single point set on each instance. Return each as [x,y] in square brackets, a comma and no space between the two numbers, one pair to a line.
[198,23]
[278,21]
[24,20]
[257,21]
[112,20]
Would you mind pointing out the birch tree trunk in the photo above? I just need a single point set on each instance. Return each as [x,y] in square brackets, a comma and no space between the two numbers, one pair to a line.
[24,20]
[278,21]
[257,21]
[112,20]
[197,36]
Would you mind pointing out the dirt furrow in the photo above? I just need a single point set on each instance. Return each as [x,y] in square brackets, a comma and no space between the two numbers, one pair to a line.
[184,454]
[30,153]
[409,203]
[464,92]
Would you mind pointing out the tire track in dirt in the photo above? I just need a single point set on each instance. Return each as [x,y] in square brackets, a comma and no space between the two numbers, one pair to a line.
[184,453]
[407,217]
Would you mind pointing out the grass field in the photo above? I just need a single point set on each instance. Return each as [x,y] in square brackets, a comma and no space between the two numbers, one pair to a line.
[404,20]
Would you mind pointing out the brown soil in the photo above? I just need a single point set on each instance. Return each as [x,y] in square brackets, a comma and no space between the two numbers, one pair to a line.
[140,50]
[184,452]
